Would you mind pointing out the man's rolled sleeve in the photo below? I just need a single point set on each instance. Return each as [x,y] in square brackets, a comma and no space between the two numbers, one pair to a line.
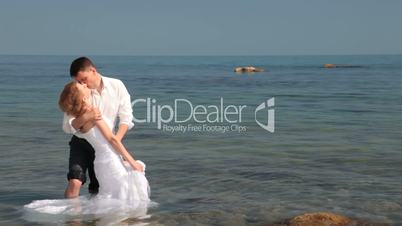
[67,124]
[125,110]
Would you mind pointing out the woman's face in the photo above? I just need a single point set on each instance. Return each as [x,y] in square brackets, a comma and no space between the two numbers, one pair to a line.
[86,92]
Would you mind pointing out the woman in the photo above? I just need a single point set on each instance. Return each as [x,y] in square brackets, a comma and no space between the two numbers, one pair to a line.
[116,180]
[122,183]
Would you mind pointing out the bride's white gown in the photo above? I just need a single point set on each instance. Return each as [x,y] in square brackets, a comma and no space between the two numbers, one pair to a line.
[116,178]
[120,187]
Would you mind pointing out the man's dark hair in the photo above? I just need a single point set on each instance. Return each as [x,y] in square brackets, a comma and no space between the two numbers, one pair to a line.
[80,64]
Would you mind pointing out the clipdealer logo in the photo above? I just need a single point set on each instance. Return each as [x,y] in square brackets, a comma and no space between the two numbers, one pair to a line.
[184,116]
[268,105]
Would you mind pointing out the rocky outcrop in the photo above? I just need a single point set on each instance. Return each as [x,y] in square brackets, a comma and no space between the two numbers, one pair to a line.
[329,65]
[248,69]
[326,219]
[319,219]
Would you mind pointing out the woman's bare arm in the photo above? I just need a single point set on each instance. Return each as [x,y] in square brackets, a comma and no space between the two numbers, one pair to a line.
[117,145]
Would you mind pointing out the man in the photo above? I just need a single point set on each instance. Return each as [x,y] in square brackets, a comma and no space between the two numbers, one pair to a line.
[112,100]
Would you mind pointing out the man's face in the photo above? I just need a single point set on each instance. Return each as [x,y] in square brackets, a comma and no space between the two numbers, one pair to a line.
[84,90]
[87,77]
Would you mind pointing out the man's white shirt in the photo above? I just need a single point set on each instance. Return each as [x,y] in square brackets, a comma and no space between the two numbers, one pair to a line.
[114,103]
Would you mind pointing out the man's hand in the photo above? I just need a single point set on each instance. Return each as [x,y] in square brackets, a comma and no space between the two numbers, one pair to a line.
[91,115]
[96,114]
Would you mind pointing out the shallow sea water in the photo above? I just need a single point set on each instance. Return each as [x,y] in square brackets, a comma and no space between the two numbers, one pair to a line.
[336,145]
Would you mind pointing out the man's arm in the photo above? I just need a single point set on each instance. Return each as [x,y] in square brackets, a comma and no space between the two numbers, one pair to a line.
[67,128]
[72,125]
[78,123]
[125,112]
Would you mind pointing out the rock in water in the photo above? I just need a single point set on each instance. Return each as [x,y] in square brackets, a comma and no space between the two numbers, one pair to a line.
[329,65]
[248,69]
[320,219]
[326,219]
[341,66]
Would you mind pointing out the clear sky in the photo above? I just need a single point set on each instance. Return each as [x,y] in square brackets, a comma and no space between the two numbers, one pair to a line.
[200,27]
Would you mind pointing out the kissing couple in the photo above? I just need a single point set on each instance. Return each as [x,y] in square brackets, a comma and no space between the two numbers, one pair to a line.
[93,105]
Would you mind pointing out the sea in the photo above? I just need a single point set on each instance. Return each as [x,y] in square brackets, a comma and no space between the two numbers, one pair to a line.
[308,139]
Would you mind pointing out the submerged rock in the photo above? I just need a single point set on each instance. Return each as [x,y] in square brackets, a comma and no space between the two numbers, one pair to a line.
[340,66]
[248,69]
[326,219]
[319,219]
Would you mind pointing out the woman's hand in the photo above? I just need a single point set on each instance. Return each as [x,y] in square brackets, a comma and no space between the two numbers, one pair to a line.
[137,166]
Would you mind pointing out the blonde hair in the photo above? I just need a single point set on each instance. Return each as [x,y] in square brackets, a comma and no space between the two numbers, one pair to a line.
[71,100]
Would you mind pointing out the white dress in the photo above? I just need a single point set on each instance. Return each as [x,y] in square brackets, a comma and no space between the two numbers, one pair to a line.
[116,178]
[121,189]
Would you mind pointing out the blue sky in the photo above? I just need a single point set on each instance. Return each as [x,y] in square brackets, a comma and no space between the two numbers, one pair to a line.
[203,27]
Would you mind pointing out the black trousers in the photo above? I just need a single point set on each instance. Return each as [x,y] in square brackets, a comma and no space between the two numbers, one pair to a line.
[82,156]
